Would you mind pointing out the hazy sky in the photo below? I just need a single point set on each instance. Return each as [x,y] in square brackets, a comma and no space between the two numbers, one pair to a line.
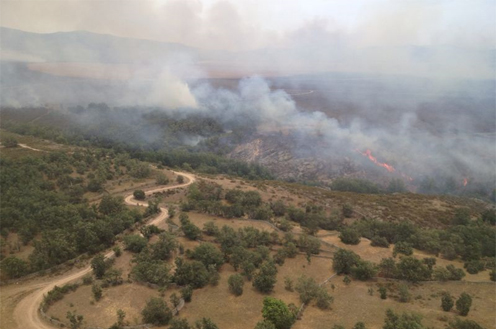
[250,24]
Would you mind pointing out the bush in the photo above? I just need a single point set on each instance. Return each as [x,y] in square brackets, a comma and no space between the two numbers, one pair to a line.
[205,323]
[464,324]
[117,251]
[350,236]
[456,274]
[236,283]
[383,292]
[187,293]
[307,288]
[139,195]
[463,304]
[447,302]
[265,279]
[324,300]
[404,294]
[179,324]
[265,324]
[276,311]
[379,241]
[97,291]
[364,270]
[347,210]
[404,248]
[14,267]
[344,260]
[474,266]
[156,312]
[135,243]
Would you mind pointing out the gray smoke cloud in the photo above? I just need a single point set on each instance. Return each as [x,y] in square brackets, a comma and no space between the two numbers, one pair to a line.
[440,121]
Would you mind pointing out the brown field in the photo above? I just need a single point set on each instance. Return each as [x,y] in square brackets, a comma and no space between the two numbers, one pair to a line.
[353,304]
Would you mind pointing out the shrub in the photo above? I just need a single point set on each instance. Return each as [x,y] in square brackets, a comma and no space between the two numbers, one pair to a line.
[404,248]
[383,292]
[464,324]
[276,311]
[404,294]
[350,236]
[187,293]
[447,302]
[474,266]
[307,288]
[135,243]
[266,278]
[379,241]
[97,290]
[364,270]
[463,304]
[347,210]
[179,324]
[156,312]
[139,195]
[236,283]
[324,300]
[344,260]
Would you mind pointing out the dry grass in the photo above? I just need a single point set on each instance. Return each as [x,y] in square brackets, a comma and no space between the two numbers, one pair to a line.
[353,304]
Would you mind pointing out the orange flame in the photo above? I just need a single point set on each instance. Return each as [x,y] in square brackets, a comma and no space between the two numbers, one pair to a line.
[465,182]
[368,154]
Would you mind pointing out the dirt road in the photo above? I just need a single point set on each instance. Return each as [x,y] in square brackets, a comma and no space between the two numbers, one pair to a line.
[20,303]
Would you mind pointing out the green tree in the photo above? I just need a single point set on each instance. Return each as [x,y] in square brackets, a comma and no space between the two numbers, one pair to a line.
[187,293]
[156,312]
[404,248]
[288,283]
[208,254]
[205,323]
[347,210]
[135,243]
[277,312]
[97,291]
[404,294]
[359,325]
[464,324]
[463,304]
[163,249]
[180,179]
[383,292]
[179,324]
[139,195]
[447,302]
[349,236]
[265,279]
[236,283]
[412,269]
[14,267]
[403,321]
[363,270]
[175,300]
[75,320]
[265,324]
[193,273]
[161,179]
[324,300]
[344,260]
[307,288]
[10,142]
[98,265]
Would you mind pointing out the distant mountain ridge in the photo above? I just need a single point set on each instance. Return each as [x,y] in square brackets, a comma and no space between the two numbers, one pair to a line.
[83,46]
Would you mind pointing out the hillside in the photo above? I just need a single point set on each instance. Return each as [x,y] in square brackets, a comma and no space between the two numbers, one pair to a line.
[258,214]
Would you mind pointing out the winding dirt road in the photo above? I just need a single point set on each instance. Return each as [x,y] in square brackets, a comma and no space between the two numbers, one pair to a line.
[25,299]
